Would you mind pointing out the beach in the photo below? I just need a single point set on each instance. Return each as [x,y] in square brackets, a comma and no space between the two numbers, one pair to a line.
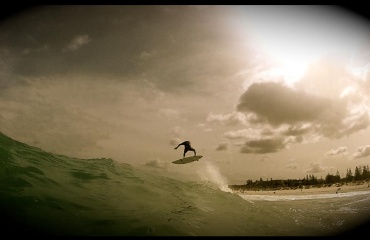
[335,189]
[317,210]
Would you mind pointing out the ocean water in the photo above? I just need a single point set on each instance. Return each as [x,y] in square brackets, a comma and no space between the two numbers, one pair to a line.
[43,193]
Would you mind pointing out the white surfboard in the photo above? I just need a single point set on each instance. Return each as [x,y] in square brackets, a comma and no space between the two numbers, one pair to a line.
[187,160]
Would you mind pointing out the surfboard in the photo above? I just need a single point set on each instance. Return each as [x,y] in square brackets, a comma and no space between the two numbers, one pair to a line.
[187,160]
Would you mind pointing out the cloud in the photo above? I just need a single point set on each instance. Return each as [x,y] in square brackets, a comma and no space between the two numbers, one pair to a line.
[339,150]
[362,151]
[315,167]
[78,42]
[248,133]
[277,104]
[227,119]
[292,166]
[222,146]
[295,116]
[268,145]
[297,129]
[261,140]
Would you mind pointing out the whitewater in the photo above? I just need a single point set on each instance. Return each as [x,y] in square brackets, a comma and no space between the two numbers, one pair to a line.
[42,193]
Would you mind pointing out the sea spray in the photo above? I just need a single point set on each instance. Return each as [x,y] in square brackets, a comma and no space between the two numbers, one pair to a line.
[211,173]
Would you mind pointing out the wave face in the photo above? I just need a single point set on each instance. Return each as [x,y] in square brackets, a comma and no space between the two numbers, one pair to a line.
[49,194]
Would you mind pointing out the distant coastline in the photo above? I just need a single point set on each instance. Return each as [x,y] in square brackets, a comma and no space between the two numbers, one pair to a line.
[310,189]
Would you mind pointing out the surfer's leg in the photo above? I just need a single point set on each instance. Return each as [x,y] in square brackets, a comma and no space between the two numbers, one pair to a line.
[192,149]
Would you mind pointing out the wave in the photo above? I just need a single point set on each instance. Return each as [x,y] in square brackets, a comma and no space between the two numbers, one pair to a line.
[50,194]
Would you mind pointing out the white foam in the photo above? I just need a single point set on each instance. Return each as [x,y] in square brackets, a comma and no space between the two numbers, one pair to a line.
[211,173]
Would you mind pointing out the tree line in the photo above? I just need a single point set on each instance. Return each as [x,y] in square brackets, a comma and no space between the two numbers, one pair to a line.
[360,174]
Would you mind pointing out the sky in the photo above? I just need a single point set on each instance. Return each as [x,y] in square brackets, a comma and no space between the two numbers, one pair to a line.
[277,92]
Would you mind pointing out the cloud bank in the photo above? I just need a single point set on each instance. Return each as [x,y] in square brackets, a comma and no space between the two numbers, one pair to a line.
[307,111]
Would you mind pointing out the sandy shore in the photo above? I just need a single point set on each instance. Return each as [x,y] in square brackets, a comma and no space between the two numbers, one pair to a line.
[312,190]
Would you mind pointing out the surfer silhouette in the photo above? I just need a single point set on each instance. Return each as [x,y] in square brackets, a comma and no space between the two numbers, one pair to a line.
[187,148]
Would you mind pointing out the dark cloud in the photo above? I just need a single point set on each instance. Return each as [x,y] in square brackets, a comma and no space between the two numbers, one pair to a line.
[297,133]
[269,145]
[276,104]
[297,115]
[283,115]
[171,46]
[222,146]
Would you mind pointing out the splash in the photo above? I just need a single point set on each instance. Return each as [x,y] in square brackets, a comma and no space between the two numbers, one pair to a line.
[210,173]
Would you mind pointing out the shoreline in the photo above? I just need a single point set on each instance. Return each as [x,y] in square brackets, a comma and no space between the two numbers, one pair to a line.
[309,191]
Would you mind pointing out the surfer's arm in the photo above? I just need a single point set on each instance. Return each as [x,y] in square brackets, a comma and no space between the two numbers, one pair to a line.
[179,145]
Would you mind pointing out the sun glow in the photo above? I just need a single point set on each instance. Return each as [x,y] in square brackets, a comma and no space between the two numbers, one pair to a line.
[288,64]
[292,68]
[291,38]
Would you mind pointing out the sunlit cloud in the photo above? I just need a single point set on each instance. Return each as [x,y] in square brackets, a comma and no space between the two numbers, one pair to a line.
[248,133]
[227,119]
[339,150]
